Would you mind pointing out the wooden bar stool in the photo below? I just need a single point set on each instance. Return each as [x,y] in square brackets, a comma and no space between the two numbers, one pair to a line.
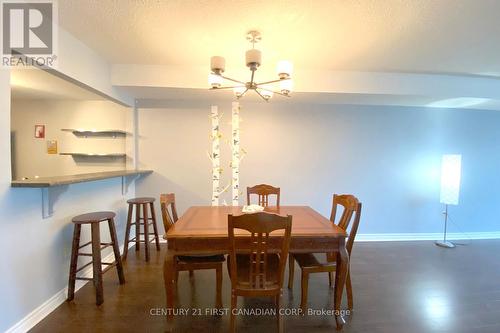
[145,221]
[94,219]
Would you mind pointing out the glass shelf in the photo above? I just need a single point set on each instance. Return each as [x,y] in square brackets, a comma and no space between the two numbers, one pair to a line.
[94,154]
[94,132]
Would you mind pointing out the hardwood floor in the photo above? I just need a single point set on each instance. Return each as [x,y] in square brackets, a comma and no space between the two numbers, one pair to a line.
[398,287]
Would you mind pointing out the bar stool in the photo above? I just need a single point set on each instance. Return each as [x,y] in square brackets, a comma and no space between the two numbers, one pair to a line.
[94,219]
[144,220]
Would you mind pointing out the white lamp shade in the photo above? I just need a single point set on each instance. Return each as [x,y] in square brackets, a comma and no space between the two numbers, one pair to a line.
[284,68]
[217,64]
[451,169]
[286,86]
[253,57]
[214,80]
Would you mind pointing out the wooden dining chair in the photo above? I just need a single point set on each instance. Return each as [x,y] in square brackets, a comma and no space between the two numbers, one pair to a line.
[190,263]
[309,263]
[253,270]
[263,191]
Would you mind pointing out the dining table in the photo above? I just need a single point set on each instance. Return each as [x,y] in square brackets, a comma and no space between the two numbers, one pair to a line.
[203,230]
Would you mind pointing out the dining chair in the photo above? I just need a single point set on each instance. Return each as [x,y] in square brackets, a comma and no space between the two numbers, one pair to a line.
[309,263]
[253,270]
[263,191]
[192,262]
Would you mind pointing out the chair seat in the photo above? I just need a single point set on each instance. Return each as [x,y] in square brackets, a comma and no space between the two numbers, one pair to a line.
[243,270]
[309,260]
[141,200]
[201,258]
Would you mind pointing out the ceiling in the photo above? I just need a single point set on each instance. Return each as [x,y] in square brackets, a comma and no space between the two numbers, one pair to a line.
[39,84]
[365,35]
[435,53]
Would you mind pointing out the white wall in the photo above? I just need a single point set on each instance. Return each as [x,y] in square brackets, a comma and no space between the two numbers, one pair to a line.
[388,156]
[58,114]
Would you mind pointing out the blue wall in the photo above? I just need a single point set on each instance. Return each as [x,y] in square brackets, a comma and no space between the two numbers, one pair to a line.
[390,157]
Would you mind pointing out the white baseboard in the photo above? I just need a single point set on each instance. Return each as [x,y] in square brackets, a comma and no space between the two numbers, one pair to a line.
[35,316]
[425,236]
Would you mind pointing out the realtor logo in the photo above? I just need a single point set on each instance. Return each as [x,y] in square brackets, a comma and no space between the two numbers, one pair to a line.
[28,33]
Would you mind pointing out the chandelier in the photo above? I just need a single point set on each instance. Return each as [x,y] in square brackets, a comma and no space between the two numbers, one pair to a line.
[253,62]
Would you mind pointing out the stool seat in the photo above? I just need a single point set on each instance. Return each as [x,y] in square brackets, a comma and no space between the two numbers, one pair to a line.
[142,200]
[94,217]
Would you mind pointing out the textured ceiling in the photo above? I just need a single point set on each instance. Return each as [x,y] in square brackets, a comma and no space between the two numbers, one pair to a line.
[442,36]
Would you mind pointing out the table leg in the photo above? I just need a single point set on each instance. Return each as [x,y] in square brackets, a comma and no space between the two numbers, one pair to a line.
[169,275]
[340,278]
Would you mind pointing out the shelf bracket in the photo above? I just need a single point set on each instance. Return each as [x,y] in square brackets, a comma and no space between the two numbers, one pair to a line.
[127,181]
[47,205]
[49,198]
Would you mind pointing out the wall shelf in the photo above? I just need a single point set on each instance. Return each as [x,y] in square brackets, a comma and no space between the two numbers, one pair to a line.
[94,132]
[78,154]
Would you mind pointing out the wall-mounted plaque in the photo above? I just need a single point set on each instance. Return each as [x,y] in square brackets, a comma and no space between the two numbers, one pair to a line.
[39,131]
[51,146]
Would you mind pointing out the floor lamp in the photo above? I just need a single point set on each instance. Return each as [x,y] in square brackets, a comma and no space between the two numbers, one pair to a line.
[450,189]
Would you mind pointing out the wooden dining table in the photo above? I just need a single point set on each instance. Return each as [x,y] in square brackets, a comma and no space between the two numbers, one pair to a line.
[204,230]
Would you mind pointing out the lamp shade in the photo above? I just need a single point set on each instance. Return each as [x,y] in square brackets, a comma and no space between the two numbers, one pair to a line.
[215,80]
[451,168]
[284,69]
[217,64]
[286,86]
[253,58]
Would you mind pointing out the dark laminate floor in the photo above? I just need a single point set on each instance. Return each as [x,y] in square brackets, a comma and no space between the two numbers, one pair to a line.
[398,287]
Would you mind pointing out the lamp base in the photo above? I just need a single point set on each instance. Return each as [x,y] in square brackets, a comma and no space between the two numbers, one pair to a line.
[446,244]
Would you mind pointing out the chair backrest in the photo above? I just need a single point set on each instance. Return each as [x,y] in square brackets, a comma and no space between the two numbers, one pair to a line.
[263,191]
[259,225]
[351,206]
[166,201]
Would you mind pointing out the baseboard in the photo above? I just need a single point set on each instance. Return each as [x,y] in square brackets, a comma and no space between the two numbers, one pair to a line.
[425,236]
[35,316]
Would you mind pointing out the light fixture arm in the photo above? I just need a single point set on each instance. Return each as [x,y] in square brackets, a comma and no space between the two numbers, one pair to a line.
[274,81]
[280,93]
[229,79]
[258,92]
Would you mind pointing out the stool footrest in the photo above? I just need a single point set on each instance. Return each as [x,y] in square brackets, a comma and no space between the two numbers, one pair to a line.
[86,265]
[142,240]
[84,278]
[110,265]
[142,219]
[88,243]
[106,245]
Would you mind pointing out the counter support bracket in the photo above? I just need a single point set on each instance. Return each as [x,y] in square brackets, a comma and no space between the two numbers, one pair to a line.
[127,181]
[50,195]
[47,204]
